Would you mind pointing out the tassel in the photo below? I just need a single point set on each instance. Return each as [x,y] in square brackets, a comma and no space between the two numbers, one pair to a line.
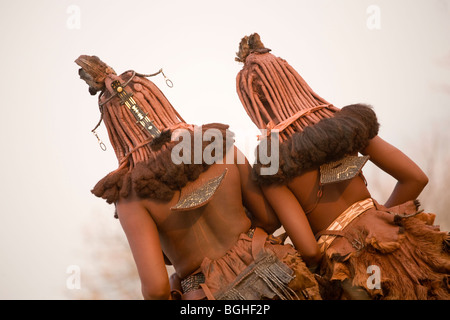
[267,277]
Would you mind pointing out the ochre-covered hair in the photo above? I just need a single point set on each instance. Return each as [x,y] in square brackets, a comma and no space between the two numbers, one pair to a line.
[311,130]
[274,95]
[145,163]
[130,142]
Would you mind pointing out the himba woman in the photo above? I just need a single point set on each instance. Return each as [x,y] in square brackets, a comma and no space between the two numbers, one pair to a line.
[192,214]
[370,251]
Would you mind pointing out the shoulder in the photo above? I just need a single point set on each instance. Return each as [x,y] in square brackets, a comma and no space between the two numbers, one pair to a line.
[129,204]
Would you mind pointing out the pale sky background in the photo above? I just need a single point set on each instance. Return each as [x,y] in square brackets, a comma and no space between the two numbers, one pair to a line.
[50,159]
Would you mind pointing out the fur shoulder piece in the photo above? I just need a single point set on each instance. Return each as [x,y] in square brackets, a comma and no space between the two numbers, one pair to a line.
[331,139]
[159,177]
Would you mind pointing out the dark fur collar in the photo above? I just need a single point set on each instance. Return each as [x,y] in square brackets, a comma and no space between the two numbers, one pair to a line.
[331,139]
[157,178]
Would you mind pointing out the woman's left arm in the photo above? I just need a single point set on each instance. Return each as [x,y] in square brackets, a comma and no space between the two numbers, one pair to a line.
[293,218]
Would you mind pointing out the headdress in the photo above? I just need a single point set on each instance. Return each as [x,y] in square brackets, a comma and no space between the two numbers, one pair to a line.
[311,130]
[140,121]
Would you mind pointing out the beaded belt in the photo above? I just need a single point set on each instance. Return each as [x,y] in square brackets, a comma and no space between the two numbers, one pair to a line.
[344,219]
[192,282]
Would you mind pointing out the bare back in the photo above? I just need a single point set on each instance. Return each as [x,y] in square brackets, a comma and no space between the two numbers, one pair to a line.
[188,236]
[339,196]
[335,197]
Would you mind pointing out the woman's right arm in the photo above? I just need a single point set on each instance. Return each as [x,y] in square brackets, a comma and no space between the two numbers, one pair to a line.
[143,239]
[410,178]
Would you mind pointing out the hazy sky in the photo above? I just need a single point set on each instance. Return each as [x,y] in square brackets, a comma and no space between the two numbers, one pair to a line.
[392,54]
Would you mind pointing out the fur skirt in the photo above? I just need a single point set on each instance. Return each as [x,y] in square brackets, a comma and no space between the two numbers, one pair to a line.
[388,253]
[257,267]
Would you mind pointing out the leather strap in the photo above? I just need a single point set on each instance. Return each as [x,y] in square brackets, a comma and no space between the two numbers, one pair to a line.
[258,241]
[284,124]
[207,291]
[330,233]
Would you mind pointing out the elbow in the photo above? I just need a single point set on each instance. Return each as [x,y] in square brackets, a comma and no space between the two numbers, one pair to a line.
[420,180]
[414,182]
[423,180]
[269,225]
[272,226]
[156,292]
